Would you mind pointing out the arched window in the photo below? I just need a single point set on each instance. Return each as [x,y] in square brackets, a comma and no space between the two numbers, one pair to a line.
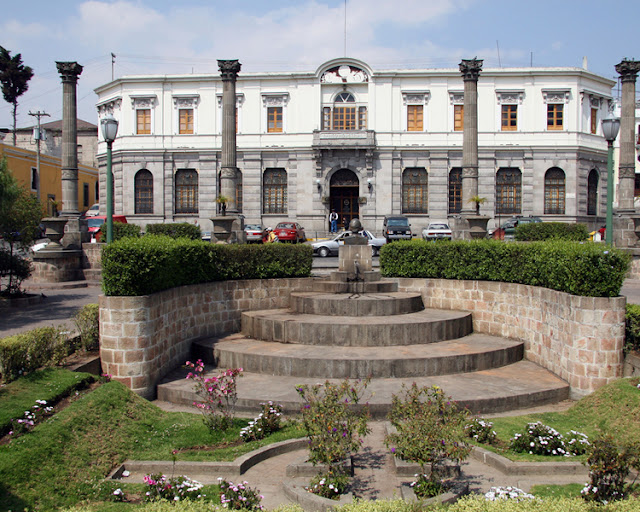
[274,191]
[592,193]
[143,191]
[344,114]
[554,191]
[455,190]
[508,191]
[186,191]
[415,190]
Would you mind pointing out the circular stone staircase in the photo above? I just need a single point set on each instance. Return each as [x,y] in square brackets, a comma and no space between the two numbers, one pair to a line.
[367,329]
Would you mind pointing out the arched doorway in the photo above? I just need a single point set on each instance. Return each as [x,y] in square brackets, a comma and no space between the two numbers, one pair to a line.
[343,196]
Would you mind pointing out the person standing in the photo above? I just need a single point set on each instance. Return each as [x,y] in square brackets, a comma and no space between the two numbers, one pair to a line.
[333,221]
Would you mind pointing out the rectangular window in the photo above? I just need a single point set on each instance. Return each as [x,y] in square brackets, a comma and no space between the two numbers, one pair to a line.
[186,121]
[344,118]
[509,118]
[594,120]
[143,121]
[34,178]
[458,118]
[555,116]
[274,120]
[362,118]
[326,118]
[414,118]
[85,195]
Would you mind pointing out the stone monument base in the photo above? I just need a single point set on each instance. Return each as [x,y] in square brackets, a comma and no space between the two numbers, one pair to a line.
[228,229]
[57,266]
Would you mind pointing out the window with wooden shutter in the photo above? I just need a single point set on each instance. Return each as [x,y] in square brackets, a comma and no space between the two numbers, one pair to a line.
[143,121]
[274,120]
[458,118]
[509,118]
[186,121]
[414,118]
[555,112]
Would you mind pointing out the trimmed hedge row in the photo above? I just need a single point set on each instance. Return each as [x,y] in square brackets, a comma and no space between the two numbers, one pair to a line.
[585,269]
[175,230]
[141,266]
[25,352]
[537,231]
[632,328]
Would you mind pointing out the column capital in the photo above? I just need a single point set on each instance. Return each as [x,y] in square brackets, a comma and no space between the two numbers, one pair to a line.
[628,70]
[470,69]
[69,71]
[229,69]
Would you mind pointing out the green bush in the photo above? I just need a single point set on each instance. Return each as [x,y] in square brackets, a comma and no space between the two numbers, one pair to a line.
[175,230]
[23,353]
[87,321]
[585,269]
[16,267]
[538,231]
[120,230]
[150,264]
[632,328]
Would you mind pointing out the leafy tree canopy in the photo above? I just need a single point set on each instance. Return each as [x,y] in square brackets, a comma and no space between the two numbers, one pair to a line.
[14,77]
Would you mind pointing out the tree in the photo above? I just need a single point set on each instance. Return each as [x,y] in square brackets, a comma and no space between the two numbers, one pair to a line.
[20,216]
[14,77]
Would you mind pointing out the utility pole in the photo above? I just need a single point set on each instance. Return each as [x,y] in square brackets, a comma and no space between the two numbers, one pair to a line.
[38,136]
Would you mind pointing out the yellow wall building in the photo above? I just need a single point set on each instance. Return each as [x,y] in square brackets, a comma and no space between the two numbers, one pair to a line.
[47,184]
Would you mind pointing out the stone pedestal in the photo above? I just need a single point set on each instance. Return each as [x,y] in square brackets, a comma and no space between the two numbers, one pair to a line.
[75,233]
[355,260]
[57,266]
[228,229]
[477,227]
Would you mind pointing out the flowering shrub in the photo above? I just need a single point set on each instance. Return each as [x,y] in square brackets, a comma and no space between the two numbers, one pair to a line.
[31,418]
[507,493]
[429,430]
[219,395]
[541,439]
[608,467]
[425,487]
[329,485]
[240,496]
[268,421]
[480,430]
[332,425]
[174,489]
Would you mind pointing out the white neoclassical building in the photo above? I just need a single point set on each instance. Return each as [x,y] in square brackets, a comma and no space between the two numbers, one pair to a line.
[365,142]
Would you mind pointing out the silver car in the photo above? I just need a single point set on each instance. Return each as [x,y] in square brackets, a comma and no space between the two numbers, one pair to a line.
[326,248]
[437,231]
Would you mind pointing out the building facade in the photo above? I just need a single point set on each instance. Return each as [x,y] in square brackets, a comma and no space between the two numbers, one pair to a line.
[362,141]
[47,184]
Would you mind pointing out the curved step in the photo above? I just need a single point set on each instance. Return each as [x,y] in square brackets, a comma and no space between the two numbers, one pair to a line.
[516,386]
[345,304]
[427,326]
[471,353]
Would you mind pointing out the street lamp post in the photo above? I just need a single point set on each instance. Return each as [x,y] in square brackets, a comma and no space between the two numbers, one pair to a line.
[610,129]
[109,131]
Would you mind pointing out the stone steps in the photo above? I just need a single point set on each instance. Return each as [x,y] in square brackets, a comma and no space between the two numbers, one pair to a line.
[426,326]
[467,354]
[346,304]
[516,386]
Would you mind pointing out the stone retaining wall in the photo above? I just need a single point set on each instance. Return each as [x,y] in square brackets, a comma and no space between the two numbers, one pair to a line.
[143,338]
[580,339]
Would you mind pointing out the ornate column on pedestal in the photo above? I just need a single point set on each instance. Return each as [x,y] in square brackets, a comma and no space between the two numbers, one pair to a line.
[228,182]
[628,71]
[470,70]
[69,72]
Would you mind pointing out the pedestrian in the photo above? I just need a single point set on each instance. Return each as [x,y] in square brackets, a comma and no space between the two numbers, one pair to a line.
[333,220]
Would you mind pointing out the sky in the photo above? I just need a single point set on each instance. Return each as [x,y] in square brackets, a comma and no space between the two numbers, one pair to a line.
[188,36]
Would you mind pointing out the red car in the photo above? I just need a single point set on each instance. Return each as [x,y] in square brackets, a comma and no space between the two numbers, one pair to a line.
[95,223]
[290,232]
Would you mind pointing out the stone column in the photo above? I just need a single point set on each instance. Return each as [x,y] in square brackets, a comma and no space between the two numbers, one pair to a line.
[628,71]
[69,72]
[228,182]
[470,70]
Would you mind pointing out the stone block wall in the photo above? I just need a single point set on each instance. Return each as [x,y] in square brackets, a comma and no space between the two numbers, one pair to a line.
[57,266]
[579,339]
[143,338]
[92,261]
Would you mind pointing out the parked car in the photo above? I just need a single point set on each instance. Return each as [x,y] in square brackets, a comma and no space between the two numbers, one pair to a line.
[93,211]
[290,232]
[254,233]
[507,229]
[437,231]
[95,223]
[396,227]
[331,247]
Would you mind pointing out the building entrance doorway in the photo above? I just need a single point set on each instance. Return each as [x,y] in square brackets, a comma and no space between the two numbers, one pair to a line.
[343,196]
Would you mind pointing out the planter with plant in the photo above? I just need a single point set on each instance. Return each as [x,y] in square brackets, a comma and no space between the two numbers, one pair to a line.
[222,201]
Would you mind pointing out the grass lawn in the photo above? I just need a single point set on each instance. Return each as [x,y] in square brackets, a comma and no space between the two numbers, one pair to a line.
[63,460]
[613,409]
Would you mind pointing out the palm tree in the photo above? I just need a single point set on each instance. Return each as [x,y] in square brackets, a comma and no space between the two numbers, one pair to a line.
[14,77]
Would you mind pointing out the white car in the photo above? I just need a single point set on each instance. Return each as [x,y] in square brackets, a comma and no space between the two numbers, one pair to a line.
[93,211]
[326,248]
[437,231]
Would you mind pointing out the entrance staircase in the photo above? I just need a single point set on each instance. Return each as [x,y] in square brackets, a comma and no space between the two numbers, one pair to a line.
[368,329]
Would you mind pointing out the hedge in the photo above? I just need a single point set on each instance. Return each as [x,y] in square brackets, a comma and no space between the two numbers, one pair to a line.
[538,231]
[632,328]
[586,269]
[25,352]
[120,230]
[175,230]
[141,266]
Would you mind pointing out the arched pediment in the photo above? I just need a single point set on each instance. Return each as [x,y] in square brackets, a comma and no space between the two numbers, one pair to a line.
[338,71]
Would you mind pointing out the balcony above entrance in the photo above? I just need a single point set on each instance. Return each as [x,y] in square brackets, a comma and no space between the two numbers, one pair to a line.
[344,139]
